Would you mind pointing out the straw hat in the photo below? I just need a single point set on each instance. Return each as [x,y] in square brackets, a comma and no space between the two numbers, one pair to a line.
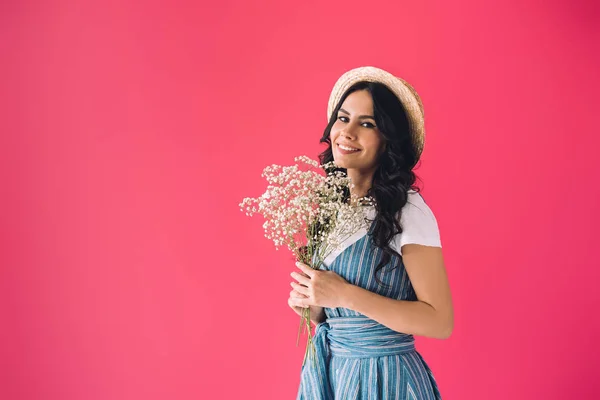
[403,90]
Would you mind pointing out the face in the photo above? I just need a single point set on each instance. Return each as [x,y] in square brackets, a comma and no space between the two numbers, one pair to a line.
[355,139]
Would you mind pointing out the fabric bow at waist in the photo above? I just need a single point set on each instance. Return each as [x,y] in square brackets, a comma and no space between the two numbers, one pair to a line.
[352,337]
[360,337]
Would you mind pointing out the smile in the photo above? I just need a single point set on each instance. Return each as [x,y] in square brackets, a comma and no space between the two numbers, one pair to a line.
[347,148]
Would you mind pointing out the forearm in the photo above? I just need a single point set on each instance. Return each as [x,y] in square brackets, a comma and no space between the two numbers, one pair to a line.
[317,314]
[410,317]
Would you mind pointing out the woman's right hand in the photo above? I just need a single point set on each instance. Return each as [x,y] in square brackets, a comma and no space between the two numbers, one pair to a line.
[316,313]
[294,301]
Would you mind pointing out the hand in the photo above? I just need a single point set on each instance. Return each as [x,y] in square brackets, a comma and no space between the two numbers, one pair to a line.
[294,301]
[320,288]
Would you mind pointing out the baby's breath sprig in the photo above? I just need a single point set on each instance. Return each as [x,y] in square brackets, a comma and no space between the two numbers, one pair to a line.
[306,211]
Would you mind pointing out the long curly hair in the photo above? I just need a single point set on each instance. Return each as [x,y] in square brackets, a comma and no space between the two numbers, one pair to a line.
[394,175]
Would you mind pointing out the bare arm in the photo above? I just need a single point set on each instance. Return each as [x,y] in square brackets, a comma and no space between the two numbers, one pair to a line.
[317,314]
[432,315]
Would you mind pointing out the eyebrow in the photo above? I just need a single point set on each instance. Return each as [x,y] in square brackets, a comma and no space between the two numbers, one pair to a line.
[360,116]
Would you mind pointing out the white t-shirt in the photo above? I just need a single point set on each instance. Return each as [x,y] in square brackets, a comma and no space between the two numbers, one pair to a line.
[419,226]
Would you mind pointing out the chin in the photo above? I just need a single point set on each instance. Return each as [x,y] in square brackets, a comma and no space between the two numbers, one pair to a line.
[340,162]
[346,165]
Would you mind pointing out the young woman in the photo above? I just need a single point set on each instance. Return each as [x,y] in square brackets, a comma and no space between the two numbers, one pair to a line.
[387,283]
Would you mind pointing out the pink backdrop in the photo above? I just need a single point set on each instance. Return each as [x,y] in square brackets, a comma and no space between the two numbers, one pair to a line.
[131,132]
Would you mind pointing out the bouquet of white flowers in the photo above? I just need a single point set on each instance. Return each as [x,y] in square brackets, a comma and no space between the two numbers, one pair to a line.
[307,212]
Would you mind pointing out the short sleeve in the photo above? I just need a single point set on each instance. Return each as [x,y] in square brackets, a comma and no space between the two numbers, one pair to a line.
[419,225]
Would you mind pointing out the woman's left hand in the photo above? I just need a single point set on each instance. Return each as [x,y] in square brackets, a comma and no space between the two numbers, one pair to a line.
[322,288]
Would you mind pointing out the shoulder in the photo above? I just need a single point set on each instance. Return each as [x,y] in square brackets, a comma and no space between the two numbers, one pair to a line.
[416,207]
[418,222]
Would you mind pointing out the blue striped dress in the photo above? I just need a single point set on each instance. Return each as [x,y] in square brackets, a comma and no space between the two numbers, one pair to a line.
[357,357]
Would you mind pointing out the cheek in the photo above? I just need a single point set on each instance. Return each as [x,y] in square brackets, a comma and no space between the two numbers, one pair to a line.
[333,134]
[336,127]
[374,144]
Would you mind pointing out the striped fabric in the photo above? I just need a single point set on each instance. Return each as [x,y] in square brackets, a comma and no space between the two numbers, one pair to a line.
[357,357]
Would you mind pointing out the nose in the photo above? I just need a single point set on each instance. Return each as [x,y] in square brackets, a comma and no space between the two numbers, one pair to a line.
[348,132]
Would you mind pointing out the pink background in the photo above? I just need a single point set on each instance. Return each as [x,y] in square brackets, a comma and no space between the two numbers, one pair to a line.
[130,133]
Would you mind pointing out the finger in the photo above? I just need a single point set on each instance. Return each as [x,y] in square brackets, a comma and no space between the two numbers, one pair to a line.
[306,269]
[292,302]
[297,294]
[302,274]
[296,285]
[299,288]
[300,303]
[300,278]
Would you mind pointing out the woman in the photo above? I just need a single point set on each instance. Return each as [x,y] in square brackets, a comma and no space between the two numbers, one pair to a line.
[386,284]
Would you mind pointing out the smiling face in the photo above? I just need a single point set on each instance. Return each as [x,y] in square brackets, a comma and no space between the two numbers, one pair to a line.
[355,139]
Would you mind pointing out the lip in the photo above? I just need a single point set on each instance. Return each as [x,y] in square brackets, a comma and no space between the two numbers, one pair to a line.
[346,151]
[347,145]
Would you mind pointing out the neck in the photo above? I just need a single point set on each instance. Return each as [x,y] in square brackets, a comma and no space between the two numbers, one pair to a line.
[362,182]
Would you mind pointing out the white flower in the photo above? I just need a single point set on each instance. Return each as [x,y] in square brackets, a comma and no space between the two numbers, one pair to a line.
[305,210]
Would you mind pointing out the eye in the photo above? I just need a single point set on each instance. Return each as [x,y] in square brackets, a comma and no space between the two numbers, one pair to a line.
[342,118]
[368,125]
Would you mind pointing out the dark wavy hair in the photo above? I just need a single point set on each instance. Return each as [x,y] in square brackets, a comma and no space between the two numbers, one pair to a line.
[394,175]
